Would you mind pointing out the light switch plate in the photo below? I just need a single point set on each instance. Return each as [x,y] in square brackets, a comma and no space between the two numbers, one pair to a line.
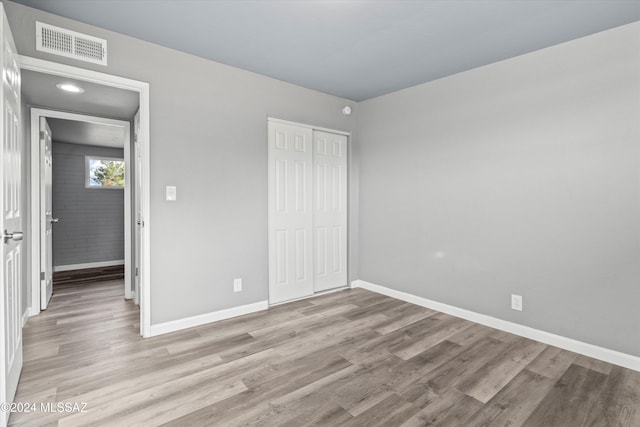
[516,302]
[172,193]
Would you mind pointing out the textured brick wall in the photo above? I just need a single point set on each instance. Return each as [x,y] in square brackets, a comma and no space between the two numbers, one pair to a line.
[91,227]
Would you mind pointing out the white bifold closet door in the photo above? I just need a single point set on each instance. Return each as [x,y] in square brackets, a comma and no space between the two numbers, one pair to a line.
[307,211]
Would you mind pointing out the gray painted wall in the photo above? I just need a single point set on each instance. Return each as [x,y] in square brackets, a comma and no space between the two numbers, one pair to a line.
[208,138]
[518,177]
[91,227]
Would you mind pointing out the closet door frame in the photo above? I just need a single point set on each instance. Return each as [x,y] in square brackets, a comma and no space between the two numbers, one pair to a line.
[274,295]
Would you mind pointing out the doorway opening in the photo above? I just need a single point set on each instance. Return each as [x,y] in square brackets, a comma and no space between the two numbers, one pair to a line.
[85,196]
[137,242]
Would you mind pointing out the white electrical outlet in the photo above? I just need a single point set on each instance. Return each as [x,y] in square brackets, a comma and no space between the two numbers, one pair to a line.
[237,285]
[516,302]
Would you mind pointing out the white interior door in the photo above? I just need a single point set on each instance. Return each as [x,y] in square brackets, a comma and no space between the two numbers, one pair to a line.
[290,212]
[11,221]
[329,210]
[47,220]
[137,208]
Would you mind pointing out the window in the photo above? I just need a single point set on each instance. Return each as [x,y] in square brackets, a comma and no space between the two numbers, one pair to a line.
[104,172]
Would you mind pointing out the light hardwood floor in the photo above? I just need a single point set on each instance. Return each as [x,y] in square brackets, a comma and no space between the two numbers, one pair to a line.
[347,358]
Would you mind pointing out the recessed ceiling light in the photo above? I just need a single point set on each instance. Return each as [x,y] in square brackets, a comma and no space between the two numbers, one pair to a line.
[68,87]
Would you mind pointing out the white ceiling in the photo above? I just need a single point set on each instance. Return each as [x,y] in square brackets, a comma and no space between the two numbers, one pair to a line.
[76,132]
[357,49]
[40,90]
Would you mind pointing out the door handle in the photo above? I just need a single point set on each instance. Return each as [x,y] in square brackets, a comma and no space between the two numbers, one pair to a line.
[55,220]
[16,236]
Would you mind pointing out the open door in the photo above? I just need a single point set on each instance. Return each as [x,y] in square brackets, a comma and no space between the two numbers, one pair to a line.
[11,220]
[137,208]
[47,220]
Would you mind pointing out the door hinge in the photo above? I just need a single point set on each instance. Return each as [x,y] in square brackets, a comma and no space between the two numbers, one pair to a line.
[42,275]
[42,134]
[136,271]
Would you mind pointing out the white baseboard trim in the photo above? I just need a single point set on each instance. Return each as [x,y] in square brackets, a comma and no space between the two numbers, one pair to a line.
[69,267]
[601,353]
[201,319]
[25,317]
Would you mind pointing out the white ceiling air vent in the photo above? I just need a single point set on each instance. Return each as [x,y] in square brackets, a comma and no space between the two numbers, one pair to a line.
[63,42]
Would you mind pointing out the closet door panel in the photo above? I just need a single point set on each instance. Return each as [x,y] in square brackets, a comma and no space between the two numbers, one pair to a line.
[290,180]
[330,210]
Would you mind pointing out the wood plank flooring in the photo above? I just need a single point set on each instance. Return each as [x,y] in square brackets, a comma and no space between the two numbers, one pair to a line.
[350,358]
[88,275]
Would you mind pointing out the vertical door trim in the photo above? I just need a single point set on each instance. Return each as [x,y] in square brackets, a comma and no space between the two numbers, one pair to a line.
[54,68]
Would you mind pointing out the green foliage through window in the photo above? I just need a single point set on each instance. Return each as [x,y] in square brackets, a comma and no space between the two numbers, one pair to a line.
[106,173]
